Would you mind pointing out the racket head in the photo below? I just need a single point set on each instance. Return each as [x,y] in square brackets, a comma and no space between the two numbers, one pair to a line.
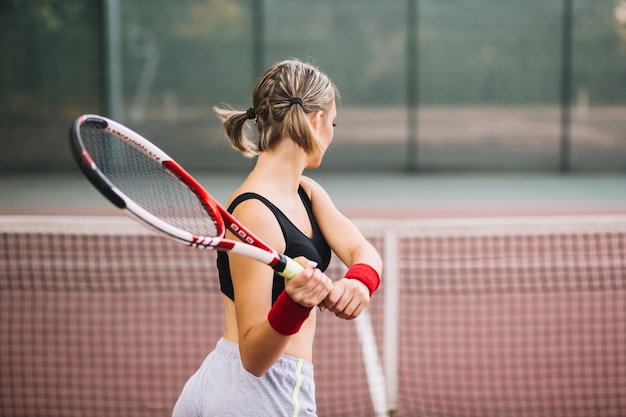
[138,177]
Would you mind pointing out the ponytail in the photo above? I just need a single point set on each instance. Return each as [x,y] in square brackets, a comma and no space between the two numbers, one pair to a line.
[296,125]
[234,122]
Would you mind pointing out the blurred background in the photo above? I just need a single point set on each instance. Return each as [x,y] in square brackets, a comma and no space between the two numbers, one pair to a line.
[451,110]
[427,85]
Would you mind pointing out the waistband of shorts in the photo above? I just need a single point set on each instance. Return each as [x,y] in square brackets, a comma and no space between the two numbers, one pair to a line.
[286,362]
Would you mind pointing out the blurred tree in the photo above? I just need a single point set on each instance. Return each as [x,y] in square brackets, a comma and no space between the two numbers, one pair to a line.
[52,14]
[214,20]
[54,65]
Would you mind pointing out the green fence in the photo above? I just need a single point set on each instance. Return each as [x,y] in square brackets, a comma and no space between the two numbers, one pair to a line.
[427,85]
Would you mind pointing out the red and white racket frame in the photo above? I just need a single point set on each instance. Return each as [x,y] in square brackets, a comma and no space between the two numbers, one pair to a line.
[249,245]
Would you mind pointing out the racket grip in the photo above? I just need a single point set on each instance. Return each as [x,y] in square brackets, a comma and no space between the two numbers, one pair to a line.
[291,269]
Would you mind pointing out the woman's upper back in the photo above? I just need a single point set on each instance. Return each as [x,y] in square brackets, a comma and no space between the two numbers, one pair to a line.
[312,246]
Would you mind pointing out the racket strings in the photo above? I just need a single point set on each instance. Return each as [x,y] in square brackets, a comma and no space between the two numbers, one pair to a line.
[145,181]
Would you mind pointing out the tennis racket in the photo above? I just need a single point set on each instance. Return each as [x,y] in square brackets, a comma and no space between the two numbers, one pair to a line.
[139,178]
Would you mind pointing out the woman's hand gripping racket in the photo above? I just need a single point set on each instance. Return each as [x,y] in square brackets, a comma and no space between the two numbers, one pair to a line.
[146,183]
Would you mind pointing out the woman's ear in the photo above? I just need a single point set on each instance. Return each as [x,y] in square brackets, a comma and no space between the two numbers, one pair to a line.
[317,120]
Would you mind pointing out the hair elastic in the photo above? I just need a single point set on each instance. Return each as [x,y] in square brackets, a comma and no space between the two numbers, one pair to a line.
[250,114]
[295,100]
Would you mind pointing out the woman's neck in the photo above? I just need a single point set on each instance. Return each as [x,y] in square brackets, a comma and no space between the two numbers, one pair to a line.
[281,167]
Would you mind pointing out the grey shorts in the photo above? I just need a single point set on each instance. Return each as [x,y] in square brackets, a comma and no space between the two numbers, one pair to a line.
[222,387]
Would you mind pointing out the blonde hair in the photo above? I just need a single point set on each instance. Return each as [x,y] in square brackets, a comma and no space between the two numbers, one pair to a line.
[275,112]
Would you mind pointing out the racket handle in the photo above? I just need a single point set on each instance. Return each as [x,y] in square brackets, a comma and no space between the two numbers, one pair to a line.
[291,269]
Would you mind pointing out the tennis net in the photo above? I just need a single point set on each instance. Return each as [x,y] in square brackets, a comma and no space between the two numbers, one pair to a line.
[487,317]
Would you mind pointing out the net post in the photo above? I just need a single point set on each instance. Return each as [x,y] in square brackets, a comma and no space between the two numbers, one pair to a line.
[371,361]
[391,319]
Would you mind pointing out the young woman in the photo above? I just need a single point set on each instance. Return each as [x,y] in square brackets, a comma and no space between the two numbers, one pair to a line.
[262,365]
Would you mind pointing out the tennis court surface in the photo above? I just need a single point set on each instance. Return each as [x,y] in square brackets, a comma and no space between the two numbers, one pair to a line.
[502,296]
[364,195]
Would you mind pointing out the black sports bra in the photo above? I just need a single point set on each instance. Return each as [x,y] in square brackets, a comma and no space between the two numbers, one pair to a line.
[296,243]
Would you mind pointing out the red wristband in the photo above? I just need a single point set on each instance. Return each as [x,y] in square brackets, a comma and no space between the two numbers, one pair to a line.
[366,274]
[286,316]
